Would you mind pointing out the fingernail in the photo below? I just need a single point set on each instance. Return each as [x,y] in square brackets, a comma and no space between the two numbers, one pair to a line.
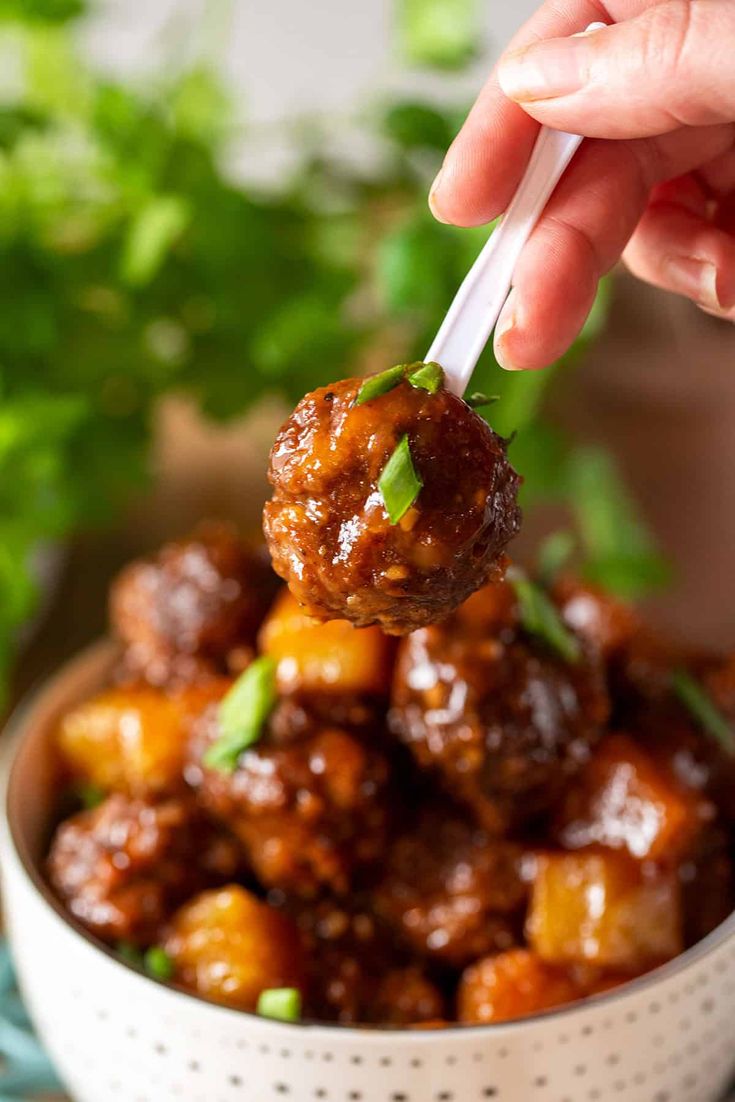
[546,70]
[697,279]
[433,198]
[506,323]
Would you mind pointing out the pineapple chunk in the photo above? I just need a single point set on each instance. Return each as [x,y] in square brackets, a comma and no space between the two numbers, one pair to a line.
[625,800]
[512,985]
[229,946]
[132,739]
[599,907]
[331,657]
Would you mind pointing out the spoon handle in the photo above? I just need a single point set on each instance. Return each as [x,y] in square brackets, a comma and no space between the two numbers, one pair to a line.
[472,316]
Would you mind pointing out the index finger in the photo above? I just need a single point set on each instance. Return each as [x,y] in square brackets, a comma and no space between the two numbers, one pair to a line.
[484,164]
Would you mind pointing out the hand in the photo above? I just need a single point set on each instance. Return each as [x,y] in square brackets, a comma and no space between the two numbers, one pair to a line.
[661,194]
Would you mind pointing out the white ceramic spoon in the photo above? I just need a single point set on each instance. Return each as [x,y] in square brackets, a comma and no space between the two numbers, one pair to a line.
[477,305]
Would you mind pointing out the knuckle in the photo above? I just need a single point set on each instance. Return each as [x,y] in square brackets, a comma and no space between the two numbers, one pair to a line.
[669,36]
[674,49]
[581,242]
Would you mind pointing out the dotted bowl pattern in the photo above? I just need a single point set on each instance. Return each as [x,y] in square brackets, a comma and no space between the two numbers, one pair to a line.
[117,1036]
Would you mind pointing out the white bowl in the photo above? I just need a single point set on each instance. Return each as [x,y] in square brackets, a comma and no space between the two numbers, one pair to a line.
[117,1036]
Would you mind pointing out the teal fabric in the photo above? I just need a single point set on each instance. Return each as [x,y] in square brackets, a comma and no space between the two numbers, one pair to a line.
[25,1070]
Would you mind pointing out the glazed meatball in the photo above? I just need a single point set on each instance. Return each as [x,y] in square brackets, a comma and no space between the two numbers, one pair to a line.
[229,946]
[328,527]
[308,800]
[502,720]
[607,624]
[356,974]
[669,730]
[180,613]
[450,891]
[708,885]
[123,867]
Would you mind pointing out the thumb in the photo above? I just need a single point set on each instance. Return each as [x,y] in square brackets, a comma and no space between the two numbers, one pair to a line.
[670,66]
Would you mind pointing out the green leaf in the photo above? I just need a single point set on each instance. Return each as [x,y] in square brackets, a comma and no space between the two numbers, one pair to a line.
[620,553]
[17,122]
[425,376]
[410,279]
[541,618]
[41,11]
[158,963]
[200,106]
[477,400]
[130,953]
[280,1003]
[56,82]
[399,484]
[243,713]
[442,34]
[418,126]
[151,235]
[703,709]
[377,385]
[539,453]
[304,341]
[553,555]
[90,795]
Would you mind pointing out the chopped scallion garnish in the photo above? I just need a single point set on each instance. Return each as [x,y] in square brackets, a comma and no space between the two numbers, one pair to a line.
[281,1003]
[703,709]
[429,376]
[130,953]
[541,618]
[399,483]
[553,555]
[425,376]
[478,399]
[158,963]
[379,384]
[242,714]
[90,795]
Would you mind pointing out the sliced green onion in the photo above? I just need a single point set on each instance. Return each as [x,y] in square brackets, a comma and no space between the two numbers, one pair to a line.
[478,399]
[399,483]
[541,618]
[158,963]
[90,795]
[130,953]
[379,384]
[281,1003]
[703,709]
[425,376]
[553,555]
[242,714]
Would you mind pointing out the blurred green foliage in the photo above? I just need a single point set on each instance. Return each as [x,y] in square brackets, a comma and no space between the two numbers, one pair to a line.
[130,266]
[440,34]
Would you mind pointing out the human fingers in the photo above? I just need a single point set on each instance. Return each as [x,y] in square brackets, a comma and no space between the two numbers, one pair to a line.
[583,232]
[669,66]
[681,250]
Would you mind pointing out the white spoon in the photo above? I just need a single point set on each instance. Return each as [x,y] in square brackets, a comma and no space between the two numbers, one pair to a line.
[476,308]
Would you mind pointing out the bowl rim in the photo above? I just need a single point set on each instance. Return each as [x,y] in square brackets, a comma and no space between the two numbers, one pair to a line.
[17,727]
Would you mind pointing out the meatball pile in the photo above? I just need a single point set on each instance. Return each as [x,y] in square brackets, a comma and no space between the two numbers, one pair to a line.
[502,722]
[404,554]
[525,804]
[188,609]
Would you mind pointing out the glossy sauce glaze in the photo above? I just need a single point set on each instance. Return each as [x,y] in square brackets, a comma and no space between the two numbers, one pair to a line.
[470,825]
[327,527]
